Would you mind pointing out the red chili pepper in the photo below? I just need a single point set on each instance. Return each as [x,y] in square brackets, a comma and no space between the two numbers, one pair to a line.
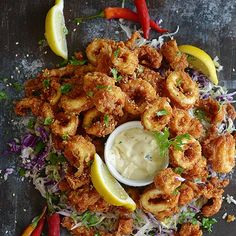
[54,225]
[38,230]
[121,13]
[144,17]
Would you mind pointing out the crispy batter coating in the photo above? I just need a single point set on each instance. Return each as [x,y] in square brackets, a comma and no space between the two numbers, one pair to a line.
[125,60]
[220,152]
[186,194]
[188,229]
[139,93]
[167,181]
[79,151]
[182,90]
[97,123]
[177,60]
[188,156]
[149,57]
[157,115]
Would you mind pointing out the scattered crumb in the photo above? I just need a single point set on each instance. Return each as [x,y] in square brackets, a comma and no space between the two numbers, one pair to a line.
[16,221]
[17,43]
[24,210]
[233,69]
[16,55]
[74,29]
[230,218]
[45,52]
[13,194]
[12,76]
[27,55]
[224,216]
[230,199]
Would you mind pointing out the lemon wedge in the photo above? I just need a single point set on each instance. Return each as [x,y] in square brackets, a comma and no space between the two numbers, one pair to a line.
[55,30]
[201,61]
[108,187]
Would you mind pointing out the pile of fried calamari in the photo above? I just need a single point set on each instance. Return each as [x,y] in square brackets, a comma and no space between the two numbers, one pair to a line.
[120,82]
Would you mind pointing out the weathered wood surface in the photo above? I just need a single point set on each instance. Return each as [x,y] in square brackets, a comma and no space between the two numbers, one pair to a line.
[210,24]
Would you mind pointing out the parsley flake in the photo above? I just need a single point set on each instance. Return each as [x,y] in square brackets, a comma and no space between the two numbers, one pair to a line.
[66,88]
[99,86]
[115,75]
[179,170]
[162,112]
[75,62]
[116,53]
[65,137]
[17,86]
[200,114]
[207,223]
[31,123]
[106,120]
[46,83]
[178,82]
[48,121]
[3,95]
[90,94]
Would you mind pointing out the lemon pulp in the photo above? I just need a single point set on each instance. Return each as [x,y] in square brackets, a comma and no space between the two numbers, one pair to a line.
[201,61]
[108,187]
[55,30]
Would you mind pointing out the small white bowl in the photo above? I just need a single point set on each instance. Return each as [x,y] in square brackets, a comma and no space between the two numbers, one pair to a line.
[107,155]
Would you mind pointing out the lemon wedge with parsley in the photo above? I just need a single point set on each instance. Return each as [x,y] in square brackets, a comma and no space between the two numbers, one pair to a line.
[201,61]
[55,30]
[108,187]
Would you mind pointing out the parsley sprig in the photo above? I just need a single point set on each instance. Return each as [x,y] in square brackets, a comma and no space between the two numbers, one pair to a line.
[115,75]
[163,141]
[207,223]
[162,112]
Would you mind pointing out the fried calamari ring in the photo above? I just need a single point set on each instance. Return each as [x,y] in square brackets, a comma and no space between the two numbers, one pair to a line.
[139,93]
[79,151]
[188,156]
[167,181]
[97,123]
[188,229]
[186,194]
[98,47]
[182,123]
[157,115]
[182,90]
[31,103]
[212,208]
[125,61]
[110,101]
[75,105]
[149,56]
[177,60]
[155,201]
[54,92]
[95,81]
[212,109]
[220,152]
[47,111]
[65,125]
[60,72]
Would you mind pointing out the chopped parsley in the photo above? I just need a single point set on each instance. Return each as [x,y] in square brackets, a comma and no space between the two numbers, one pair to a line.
[42,42]
[46,83]
[65,137]
[39,147]
[66,88]
[115,75]
[48,121]
[106,120]
[163,141]
[207,223]
[90,94]
[17,86]
[75,62]
[178,82]
[3,95]
[22,172]
[179,170]
[162,112]
[116,53]
[90,219]
[103,87]
[200,114]
[55,159]
[31,123]
[187,216]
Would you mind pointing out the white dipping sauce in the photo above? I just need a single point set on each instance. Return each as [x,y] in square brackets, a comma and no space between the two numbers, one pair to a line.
[135,154]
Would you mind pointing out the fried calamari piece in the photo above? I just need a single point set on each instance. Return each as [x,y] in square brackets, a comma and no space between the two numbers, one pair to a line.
[79,151]
[177,60]
[155,201]
[151,76]
[100,206]
[230,110]
[65,125]
[99,47]
[167,181]
[182,90]
[110,101]
[125,227]
[125,60]
[157,115]
[83,197]
[188,229]
[186,194]
[66,71]
[220,152]
[75,105]
[214,113]
[97,123]
[190,154]
[131,42]
[95,81]
[149,56]
[31,103]
[139,93]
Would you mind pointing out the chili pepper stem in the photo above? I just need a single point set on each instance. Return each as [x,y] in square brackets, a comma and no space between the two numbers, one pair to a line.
[79,20]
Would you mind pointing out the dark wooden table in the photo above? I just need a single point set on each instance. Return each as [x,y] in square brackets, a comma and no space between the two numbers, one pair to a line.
[210,24]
